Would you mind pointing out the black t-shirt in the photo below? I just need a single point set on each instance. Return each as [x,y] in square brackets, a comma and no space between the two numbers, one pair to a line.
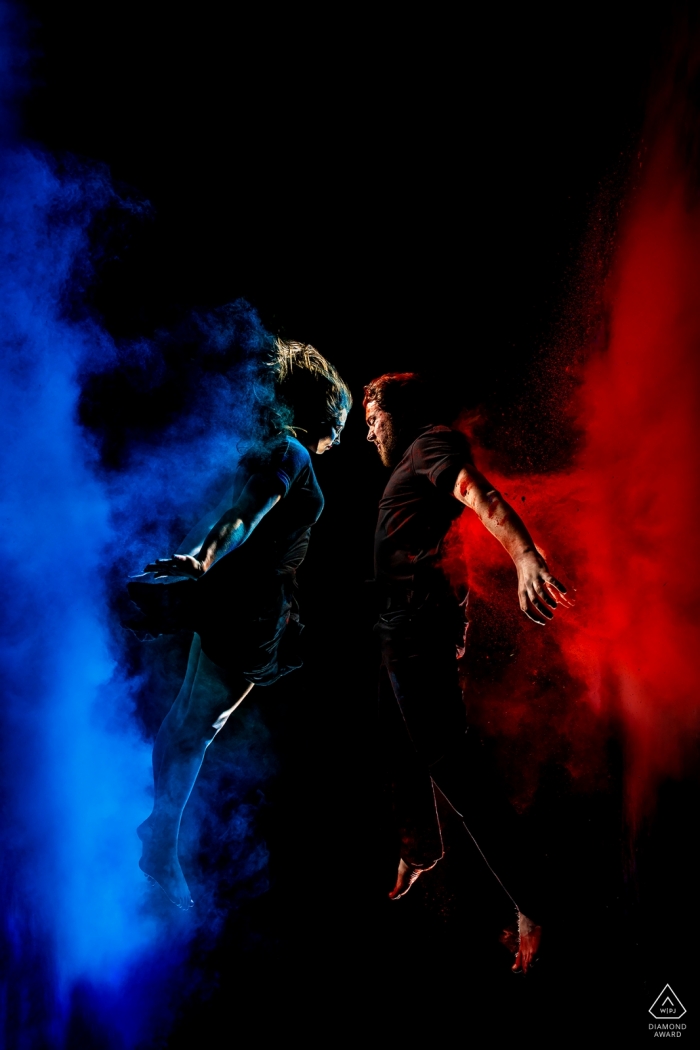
[417,508]
[280,540]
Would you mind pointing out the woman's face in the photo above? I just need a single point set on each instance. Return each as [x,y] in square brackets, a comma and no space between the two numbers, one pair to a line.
[329,436]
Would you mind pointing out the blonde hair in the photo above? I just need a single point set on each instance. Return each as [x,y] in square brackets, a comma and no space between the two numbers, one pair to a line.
[308,385]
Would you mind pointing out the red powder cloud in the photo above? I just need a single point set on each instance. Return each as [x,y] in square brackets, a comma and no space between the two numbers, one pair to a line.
[622,526]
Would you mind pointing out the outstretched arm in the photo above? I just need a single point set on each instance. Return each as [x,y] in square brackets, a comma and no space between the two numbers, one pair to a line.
[230,531]
[538,591]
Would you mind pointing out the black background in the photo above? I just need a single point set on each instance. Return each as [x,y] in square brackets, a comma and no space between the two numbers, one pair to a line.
[403,188]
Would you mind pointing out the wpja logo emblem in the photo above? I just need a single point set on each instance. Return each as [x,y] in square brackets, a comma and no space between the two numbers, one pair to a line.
[667,1006]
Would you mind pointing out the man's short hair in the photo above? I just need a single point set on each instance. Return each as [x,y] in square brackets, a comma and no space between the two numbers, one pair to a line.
[404,395]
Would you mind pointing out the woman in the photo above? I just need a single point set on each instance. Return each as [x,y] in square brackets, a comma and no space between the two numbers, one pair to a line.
[239,595]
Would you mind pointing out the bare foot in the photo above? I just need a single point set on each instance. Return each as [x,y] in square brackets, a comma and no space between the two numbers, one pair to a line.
[406,876]
[161,867]
[523,942]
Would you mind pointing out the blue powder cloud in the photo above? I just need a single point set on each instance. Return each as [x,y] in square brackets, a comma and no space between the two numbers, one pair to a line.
[84,940]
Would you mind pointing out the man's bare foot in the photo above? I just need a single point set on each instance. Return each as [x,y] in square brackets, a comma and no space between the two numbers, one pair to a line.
[406,876]
[523,942]
[161,866]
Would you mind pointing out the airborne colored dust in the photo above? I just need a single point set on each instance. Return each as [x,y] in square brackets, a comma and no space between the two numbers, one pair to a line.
[618,525]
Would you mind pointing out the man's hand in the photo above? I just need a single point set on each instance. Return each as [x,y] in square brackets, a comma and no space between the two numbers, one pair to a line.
[178,565]
[538,591]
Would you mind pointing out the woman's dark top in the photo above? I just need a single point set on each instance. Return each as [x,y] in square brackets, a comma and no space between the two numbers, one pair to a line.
[243,608]
[281,538]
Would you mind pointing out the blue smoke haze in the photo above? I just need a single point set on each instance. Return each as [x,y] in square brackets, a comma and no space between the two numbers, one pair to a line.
[86,946]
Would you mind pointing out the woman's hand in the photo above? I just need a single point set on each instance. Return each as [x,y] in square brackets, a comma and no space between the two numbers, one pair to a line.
[538,591]
[178,565]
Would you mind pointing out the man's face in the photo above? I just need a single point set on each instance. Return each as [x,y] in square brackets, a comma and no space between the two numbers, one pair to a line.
[381,432]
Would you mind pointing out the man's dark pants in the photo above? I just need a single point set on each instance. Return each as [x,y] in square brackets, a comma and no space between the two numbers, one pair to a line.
[426,740]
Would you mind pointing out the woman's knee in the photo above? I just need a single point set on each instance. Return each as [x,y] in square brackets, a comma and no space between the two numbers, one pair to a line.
[198,716]
[192,734]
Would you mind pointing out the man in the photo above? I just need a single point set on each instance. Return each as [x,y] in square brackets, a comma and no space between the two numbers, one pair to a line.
[433,478]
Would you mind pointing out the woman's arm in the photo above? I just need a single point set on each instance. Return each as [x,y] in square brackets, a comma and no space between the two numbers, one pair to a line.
[536,585]
[232,529]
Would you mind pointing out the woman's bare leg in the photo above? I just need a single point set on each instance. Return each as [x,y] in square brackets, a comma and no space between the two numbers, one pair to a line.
[180,704]
[203,705]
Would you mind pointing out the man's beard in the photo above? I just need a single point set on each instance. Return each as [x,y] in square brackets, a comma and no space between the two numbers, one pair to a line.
[392,444]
